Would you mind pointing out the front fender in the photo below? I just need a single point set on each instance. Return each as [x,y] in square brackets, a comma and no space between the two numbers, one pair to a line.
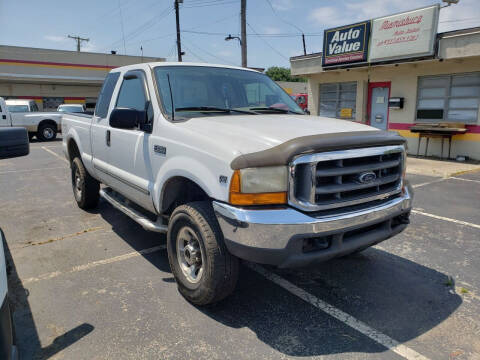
[205,177]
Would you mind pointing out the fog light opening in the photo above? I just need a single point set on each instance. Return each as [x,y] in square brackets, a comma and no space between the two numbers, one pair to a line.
[316,243]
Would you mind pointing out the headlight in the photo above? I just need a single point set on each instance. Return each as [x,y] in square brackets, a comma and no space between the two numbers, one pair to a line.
[259,186]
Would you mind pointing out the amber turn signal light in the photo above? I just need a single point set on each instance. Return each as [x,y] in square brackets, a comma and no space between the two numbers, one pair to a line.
[239,198]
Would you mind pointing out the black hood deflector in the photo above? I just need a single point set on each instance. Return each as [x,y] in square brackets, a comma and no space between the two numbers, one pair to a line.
[282,154]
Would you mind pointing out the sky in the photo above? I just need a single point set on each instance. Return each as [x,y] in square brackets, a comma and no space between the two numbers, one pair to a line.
[273,26]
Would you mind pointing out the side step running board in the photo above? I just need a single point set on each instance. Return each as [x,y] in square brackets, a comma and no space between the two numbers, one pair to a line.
[119,202]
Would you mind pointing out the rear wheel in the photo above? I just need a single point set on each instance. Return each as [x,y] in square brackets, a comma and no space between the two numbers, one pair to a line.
[85,188]
[204,269]
[47,132]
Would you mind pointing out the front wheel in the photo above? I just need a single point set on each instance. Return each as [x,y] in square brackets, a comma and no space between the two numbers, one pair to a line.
[204,269]
[85,187]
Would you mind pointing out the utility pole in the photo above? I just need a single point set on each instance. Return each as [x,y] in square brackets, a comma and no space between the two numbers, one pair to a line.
[243,43]
[79,40]
[179,44]
[304,47]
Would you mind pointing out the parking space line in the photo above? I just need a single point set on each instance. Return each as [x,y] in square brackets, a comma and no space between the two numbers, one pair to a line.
[428,183]
[55,154]
[457,178]
[29,170]
[446,219]
[340,315]
[93,264]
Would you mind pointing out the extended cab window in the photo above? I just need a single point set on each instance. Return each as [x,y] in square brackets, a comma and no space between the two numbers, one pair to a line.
[101,110]
[17,108]
[132,94]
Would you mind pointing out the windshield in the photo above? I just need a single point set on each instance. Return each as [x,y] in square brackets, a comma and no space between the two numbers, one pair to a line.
[67,108]
[203,91]
[17,108]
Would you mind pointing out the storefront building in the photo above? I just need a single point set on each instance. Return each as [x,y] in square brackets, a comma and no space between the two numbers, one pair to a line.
[54,77]
[396,72]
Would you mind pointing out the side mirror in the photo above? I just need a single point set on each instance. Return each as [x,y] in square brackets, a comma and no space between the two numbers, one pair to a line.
[125,118]
[306,111]
[13,142]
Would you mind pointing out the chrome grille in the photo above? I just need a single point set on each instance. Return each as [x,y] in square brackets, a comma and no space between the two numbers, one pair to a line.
[347,177]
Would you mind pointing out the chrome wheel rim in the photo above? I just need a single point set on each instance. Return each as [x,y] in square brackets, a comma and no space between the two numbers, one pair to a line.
[48,133]
[77,184]
[189,254]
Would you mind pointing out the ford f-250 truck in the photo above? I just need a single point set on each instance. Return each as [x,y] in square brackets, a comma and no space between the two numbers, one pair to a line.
[24,113]
[225,163]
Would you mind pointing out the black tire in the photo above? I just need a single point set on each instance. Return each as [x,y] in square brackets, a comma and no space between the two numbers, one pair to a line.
[47,132]
[85,188]
[30,136]
[220,268]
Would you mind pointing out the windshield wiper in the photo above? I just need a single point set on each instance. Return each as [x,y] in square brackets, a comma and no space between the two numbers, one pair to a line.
[279,110]
[212,108]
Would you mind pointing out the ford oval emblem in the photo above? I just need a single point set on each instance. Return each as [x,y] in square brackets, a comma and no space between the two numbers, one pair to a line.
[366,177]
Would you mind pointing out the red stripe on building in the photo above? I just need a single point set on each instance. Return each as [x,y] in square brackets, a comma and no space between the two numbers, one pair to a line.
[56,64]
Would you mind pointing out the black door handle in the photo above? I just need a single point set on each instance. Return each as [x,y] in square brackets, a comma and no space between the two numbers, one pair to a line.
[108,137]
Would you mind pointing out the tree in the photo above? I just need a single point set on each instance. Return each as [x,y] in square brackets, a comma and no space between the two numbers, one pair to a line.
[278,73]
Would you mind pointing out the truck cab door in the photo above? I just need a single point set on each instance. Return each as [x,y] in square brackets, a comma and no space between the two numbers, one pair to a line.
[100,129]
[128,153]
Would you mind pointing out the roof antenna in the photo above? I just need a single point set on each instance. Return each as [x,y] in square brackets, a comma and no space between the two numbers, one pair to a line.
[171,97]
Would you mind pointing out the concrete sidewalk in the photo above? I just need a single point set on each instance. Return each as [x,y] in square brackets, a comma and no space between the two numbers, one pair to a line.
[441,168]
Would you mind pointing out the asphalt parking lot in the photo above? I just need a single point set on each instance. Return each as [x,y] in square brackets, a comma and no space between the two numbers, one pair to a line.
[95,285]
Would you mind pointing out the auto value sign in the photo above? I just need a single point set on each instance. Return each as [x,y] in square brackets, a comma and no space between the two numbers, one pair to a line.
[346,44]
[407,35]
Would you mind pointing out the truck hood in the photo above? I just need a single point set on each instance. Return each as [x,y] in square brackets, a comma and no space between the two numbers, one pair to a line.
[244,134]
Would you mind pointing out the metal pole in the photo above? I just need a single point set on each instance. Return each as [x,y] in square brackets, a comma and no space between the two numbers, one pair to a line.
[179,44]
[79,40]
[243,43]
[304,47]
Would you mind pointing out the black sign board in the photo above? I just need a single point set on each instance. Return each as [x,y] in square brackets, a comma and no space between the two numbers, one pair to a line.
[346,44]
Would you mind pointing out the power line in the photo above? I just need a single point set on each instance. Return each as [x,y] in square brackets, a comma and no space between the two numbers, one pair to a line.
[214,3]
[145,26]
[289,23]
[190,30]
[268,44]
[208,53]
[257,34]
[190,51]
[282,19]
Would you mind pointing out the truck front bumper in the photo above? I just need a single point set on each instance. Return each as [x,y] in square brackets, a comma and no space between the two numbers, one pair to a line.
[286,237]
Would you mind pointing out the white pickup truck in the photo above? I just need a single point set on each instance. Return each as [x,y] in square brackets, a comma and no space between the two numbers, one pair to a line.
[24,113]
[225,163]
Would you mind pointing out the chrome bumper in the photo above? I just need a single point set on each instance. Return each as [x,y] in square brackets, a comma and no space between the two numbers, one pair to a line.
[276,236]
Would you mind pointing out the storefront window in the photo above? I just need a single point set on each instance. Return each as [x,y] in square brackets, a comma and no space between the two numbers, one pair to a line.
[449,98]
[338,100]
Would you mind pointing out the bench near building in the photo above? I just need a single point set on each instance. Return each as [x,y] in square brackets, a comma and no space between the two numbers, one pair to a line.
[397,73]
[54,77]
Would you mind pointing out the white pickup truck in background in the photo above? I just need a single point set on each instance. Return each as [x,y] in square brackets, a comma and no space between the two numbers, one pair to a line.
[227,164]
[24,113]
